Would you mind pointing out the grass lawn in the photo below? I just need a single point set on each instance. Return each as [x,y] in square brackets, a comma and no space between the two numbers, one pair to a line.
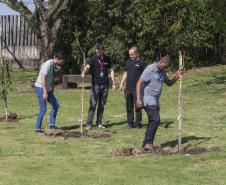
[27,158]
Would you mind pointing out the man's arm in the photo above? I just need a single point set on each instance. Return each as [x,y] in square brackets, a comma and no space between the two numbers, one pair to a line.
[138,94]
[85,70]
[43,82]
[112,78]
[124,77]
[170,82]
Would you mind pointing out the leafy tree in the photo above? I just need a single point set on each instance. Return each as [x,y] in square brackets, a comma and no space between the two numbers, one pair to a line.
[45,21]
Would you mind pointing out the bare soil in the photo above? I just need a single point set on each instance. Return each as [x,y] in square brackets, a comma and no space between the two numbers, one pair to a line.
[73,134]
[12,117]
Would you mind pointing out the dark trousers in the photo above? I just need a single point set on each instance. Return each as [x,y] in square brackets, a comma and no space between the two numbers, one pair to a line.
[99,94]
[130,96]
[154,122]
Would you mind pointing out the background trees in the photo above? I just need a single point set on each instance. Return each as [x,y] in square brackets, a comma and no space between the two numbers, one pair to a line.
[156,27]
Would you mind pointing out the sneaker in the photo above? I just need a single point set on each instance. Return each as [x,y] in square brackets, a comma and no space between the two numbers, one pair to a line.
[52,127]
[129,125]
[38,131]
[148,147]
[88,126]
[139,125]
[101,126]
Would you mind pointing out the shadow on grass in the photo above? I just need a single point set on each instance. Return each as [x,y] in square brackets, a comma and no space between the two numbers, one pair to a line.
[70,127]
[184,140]
[166,124]
[108,124]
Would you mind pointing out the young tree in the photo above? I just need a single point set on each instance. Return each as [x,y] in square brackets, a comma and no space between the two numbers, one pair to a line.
[45,21]
[5,83]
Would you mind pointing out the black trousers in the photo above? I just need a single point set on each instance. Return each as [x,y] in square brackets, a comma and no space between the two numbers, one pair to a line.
[153,123]
[130,96]
[99,94]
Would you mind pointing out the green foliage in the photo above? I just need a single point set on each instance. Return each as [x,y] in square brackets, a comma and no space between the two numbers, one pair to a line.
[156,27]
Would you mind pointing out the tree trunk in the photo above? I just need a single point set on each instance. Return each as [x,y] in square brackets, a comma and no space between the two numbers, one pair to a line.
[6,108]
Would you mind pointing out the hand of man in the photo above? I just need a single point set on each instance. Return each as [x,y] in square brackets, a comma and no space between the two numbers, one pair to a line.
[139,103]
[45,96]
[83,75]
[113,87]
[178,74]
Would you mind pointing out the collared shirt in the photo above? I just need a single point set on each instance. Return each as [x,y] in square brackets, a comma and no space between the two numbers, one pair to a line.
[134,70]
[152,88]
[99,69]
[47,70]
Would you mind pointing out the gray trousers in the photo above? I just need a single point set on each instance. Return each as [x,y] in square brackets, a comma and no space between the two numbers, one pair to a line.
[99,94]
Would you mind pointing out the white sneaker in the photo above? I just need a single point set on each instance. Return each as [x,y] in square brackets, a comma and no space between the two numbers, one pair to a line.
[101,126]
[88,126]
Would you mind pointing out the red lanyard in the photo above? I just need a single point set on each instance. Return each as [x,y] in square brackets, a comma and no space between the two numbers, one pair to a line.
[101,64]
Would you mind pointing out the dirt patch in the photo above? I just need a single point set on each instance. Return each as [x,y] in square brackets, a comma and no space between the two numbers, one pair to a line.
[12,117]
[129,151]
[72,134]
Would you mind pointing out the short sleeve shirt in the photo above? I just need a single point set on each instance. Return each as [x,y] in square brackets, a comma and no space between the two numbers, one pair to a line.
[153,79]
[47,70]
[99,69]
[134,70]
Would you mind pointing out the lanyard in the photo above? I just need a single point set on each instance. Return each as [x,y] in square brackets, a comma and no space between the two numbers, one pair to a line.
[101,64]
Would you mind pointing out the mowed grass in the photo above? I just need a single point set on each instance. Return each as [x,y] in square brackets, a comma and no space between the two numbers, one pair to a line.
[30,159]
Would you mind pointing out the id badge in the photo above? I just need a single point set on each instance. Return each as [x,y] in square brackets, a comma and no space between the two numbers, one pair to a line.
[101,74]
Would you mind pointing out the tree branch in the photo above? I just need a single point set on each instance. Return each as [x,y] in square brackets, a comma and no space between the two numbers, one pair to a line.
[56,7]
[40,8]
[20,7]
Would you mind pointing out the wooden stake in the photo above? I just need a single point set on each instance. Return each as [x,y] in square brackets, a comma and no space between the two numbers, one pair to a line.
[180,109]
[83,82]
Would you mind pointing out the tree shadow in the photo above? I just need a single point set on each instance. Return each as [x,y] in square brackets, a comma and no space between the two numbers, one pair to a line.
[184,140]
[108,124]
[70,127]
[166,124]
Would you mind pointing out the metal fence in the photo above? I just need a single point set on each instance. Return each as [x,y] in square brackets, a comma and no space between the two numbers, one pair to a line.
[18,41]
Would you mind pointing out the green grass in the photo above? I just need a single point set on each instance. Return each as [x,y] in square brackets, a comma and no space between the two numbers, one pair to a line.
[30,159]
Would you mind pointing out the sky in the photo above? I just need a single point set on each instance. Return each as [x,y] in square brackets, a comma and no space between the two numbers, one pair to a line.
[5,10]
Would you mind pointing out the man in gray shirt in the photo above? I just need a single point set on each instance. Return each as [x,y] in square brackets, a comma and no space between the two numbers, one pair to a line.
[150,85]
[45,91]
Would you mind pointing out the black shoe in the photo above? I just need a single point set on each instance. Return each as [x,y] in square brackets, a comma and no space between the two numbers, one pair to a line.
[139,125]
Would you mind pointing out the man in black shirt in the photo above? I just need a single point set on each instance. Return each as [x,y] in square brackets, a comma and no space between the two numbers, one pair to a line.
[133,69]
[99,64]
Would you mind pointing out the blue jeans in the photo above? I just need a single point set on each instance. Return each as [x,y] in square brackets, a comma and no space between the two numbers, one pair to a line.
[43,106]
